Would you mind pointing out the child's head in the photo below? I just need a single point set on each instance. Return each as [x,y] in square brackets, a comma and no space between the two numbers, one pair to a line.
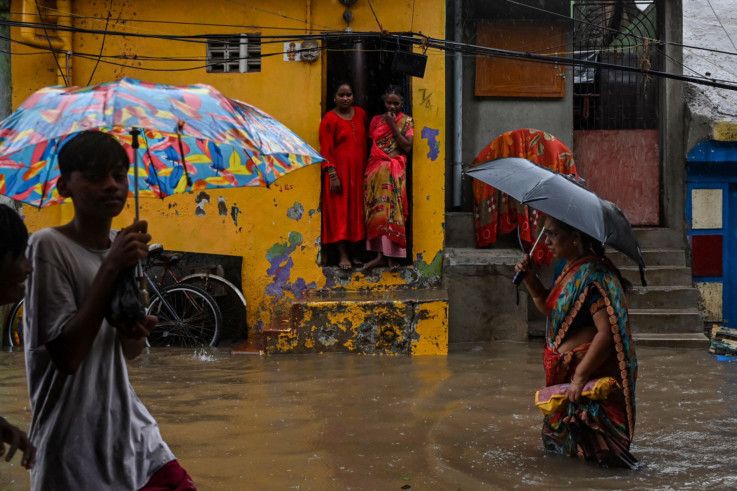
[393,99]
[94,173]
[14,267]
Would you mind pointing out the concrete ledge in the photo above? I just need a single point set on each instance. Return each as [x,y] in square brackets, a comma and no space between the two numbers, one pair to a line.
[400,322]
[482,299]
[481,257]
[672,340]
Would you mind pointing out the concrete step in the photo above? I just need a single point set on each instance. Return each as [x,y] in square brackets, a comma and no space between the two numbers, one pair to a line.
[536,328]
[650,321]
[659,275]
[669,339]
[482,298]
[672,340]
[470,259]
[663,297]
[652,257]
[459,232]
[659,238]
[389,321]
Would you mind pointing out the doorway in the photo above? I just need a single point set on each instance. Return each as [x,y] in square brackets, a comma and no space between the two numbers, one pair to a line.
[367,64]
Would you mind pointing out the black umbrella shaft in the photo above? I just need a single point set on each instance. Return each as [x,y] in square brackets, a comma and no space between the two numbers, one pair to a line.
[520,275]
[134,144]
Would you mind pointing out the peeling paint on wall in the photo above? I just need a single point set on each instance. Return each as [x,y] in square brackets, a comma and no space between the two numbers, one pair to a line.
[431,135]
[234,212]
[280,269]
[296,211]
[371,326]
[222,207]
[202,200]
[432,269]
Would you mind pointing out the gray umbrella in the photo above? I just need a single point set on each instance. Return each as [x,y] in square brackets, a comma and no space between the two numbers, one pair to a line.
[563,199]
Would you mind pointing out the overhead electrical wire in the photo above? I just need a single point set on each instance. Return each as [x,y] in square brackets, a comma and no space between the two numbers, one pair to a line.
[656,42]
[102,43]
[126,20]
[720,23]
[653,40]
[376,17]
[487,51]
[412,38]
[328,28]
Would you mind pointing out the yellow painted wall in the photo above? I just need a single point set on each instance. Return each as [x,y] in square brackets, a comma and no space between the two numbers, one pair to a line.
[291,92]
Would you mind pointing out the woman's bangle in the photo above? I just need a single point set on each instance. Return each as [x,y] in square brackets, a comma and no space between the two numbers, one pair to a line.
[573,381]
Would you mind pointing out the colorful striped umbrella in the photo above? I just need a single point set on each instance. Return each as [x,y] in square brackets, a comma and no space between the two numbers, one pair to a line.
[192,138]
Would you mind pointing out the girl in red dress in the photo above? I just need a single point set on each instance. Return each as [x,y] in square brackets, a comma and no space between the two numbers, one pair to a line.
[343,144]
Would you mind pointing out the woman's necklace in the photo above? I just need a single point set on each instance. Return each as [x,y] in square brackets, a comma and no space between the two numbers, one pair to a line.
[348,115]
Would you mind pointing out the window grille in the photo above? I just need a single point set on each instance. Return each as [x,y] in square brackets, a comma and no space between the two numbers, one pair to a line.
[615,32]
[234,54]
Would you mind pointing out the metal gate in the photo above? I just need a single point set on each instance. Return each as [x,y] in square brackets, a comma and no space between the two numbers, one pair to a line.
[617,32]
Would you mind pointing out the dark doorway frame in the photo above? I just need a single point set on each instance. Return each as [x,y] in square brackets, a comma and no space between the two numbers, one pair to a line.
[366,63]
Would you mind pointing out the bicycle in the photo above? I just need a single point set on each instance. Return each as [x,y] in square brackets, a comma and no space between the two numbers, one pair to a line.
[229,298]
[188,308]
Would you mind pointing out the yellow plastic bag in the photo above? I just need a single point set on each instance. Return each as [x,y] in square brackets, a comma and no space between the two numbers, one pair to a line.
[553,399]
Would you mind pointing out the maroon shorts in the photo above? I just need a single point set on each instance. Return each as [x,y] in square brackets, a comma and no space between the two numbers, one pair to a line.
[170,477]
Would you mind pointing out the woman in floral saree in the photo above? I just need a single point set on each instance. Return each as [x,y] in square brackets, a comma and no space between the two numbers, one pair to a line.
[385,191]
[588,340]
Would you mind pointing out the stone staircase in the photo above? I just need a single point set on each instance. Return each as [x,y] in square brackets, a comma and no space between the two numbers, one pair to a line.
[666,312]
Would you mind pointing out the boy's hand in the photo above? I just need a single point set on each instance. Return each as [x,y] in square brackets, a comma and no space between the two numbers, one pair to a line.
[129,246]
[16,438]
[139,330]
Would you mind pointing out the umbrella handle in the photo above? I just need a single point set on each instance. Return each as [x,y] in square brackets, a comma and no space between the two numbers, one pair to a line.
[518,277]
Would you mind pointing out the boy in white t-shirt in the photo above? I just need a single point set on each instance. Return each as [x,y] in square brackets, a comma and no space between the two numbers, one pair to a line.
[91,430]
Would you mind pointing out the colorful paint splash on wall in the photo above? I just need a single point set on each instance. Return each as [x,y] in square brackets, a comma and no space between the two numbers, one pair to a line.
[280,269]
[202,200]
[431,135]
[296,211]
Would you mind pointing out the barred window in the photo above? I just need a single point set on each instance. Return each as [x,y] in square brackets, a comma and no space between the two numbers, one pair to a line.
[618,33]
[234,54]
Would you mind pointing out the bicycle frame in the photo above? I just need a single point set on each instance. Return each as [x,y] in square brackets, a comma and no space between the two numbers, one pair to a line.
[158,294]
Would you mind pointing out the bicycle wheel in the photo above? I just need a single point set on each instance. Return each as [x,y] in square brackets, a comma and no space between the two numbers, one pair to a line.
[14,326]
[231,301]
[188,317]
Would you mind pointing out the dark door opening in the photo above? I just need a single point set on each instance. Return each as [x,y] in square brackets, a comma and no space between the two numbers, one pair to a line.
[366,64]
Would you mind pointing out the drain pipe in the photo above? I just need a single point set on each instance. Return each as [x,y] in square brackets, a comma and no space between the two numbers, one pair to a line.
[457,106]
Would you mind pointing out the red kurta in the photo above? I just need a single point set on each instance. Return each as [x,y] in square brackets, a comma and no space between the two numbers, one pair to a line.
[343,144]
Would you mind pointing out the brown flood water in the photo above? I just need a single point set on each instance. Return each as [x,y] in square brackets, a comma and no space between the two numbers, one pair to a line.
[378,422]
